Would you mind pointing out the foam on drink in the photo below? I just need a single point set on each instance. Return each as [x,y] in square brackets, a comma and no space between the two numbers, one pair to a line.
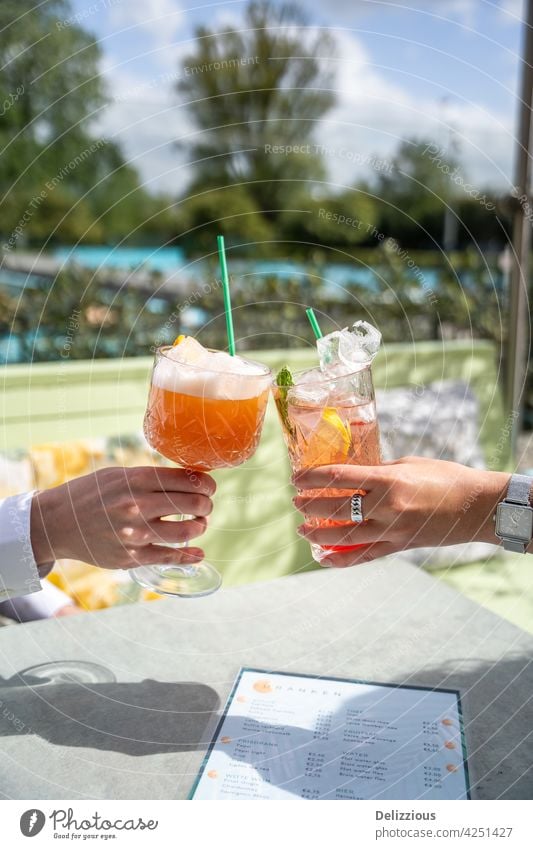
[206,374]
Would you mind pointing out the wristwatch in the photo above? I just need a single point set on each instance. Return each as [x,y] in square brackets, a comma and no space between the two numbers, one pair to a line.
[514,516]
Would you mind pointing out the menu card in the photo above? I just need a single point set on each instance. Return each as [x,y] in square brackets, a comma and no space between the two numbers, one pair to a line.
[284,736]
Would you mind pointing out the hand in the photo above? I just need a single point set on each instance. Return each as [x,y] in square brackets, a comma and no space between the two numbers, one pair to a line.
[409,503]
[68,610]
[113,517]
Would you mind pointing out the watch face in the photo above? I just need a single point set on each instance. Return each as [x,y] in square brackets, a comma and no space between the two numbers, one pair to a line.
[515,522]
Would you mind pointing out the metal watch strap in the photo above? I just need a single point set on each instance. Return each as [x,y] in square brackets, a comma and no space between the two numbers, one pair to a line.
[518,493]
[514,545]
[519,489]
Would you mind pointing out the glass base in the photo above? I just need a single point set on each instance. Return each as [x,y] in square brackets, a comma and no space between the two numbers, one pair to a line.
[184,581]
[319,552]
[67,672]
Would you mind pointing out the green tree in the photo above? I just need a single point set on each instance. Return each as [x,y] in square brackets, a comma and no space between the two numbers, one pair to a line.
[344,220]
[50,92]
[254,93]
[413,194]
[423,186]
[49,88]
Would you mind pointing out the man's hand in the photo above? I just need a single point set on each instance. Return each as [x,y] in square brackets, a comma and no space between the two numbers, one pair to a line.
[114,517]
[409,503]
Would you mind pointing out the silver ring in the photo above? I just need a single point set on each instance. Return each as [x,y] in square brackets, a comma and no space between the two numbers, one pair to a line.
[356,509]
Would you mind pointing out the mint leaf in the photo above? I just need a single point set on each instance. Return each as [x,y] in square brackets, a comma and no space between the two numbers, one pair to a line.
[284,381]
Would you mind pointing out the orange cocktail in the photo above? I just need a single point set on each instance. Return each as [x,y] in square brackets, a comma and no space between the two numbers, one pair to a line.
[205,411]
[204,433]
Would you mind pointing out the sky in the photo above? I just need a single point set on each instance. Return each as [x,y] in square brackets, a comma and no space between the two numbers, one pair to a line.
[444,70]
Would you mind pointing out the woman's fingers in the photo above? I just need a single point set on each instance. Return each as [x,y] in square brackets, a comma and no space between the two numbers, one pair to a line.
[342,559]
[342,477]
[367,532]
[336,507]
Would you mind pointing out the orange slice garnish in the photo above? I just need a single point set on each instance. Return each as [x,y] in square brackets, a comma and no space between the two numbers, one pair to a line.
[330,442]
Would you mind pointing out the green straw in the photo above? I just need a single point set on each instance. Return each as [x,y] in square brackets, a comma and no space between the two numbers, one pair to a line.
[226,293]
[310,313]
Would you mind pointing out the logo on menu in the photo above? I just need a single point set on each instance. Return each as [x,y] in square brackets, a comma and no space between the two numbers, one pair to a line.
[32,822]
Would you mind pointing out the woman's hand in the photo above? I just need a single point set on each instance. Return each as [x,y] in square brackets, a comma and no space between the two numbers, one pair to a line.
[114,517]
[409,503]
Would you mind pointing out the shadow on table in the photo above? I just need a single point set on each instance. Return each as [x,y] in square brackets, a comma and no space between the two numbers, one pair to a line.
[497,705]
[151,717]
[137,718]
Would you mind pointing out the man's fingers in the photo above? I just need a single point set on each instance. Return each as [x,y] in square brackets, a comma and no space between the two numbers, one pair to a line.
[160,478]
[341,477]
[174,532]
[152,555]
[157,504]
[342,559]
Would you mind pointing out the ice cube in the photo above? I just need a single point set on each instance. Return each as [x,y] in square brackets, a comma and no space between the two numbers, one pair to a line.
[368,337]
[188,351]
[311,388]
[348,349]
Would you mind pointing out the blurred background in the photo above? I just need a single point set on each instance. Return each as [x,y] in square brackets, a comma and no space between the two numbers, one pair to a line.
[359,157]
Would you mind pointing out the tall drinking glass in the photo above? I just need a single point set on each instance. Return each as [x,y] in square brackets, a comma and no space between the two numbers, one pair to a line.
[329,421]
[202,419]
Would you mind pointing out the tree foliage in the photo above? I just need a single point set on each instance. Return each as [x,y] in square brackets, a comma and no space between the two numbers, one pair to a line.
[255,96]
[422,186]
[56,177]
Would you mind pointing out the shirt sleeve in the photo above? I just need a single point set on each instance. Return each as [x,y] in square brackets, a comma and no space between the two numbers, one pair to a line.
[18,569]
[40,605]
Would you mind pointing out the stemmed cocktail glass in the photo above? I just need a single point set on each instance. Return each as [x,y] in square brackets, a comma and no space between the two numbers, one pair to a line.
[202,416]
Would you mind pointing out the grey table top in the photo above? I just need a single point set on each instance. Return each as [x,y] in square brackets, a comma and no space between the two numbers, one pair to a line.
[144,735]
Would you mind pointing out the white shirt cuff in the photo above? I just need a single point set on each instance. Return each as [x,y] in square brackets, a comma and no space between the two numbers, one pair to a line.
[41,605]
[18,569]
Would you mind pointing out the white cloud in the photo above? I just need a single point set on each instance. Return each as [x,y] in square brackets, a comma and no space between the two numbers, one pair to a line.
[157,20]
[512,11]
[144,116]
[374,113]
[458,10]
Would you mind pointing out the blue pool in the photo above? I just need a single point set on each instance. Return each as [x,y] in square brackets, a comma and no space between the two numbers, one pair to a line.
[153,259]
